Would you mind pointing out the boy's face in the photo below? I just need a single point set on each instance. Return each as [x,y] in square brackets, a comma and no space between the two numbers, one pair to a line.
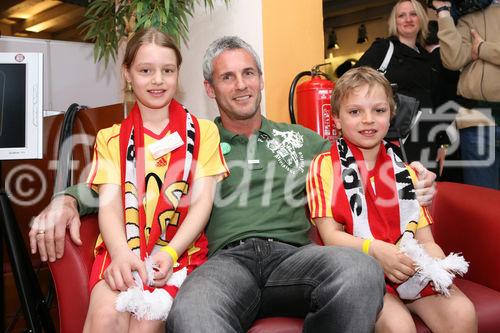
[364,116]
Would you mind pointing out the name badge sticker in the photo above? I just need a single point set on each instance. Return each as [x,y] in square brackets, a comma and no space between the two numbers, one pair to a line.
[165,145]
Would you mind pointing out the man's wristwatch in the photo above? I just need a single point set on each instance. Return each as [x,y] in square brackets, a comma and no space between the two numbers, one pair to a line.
[440,9]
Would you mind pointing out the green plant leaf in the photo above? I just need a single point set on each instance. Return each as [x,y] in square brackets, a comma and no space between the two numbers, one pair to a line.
[105,21]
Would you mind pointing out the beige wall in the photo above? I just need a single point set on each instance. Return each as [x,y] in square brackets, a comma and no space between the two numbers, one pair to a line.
[242,18]
[293,42]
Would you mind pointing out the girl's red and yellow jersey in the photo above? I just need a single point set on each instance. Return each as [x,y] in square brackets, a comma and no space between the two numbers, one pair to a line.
[106,162]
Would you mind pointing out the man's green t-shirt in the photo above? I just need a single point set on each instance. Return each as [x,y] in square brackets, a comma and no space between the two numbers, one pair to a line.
[264,196]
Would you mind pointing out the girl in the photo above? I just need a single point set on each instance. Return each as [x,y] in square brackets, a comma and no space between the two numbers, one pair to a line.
[361,196]
[150,171]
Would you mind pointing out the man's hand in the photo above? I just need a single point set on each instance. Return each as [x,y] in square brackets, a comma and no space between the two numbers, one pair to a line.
[425,187]
[476,42]
[49,228]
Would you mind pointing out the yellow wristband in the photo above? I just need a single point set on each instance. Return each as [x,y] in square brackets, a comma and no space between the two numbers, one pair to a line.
[171,251]
[366,245]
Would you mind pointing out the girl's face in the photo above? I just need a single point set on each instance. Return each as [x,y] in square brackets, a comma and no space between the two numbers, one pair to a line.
[364,116]
[407,22]
[153,75]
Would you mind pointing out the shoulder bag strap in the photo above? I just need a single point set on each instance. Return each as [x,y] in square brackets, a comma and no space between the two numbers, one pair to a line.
[387,59]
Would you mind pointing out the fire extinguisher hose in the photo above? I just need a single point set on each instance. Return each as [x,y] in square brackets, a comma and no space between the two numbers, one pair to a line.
[291,94]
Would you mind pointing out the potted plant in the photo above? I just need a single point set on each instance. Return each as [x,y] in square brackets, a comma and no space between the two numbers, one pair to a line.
[108,22]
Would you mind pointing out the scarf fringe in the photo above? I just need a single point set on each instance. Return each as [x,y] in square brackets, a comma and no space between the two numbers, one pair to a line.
[145,304]
[440,272]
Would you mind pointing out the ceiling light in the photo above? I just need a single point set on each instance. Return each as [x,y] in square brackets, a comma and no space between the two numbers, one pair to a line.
[332,41]
[362,34]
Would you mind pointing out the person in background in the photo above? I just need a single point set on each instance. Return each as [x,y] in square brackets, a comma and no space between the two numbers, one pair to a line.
[344,67]
[443,91]
[445,88]
[386,208]
[410,66]
[473,47]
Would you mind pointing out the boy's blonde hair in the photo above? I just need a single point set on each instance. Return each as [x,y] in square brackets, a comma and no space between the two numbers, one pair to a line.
[422,18]
[357,77]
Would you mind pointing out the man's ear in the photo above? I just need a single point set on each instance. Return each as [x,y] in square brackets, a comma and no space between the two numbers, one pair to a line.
[261,82]
[209,89]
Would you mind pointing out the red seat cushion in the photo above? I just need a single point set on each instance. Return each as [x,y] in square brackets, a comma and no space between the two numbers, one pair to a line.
[487,303]
[277,325]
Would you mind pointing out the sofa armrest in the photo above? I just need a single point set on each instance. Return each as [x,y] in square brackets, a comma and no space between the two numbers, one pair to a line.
[71,276]
[467,220]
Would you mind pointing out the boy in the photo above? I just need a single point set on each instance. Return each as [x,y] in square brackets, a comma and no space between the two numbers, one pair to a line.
[360,195]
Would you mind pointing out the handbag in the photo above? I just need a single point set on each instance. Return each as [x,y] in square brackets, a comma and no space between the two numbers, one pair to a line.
[407,107]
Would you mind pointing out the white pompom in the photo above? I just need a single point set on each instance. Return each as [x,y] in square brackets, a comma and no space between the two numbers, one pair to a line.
[146,305]
[440,272]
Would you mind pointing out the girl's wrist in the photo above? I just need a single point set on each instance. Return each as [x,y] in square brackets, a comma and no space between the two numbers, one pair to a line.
[171,252]
[118,250]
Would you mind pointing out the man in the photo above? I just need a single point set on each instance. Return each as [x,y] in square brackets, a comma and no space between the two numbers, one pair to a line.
[260,262]
[473,47]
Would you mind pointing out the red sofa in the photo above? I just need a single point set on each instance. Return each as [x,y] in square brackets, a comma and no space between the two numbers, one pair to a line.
[467,220]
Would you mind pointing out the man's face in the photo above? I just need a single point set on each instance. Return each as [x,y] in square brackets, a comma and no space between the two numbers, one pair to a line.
[236,85]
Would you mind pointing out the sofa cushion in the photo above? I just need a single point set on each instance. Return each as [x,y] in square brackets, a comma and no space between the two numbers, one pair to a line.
[487,303]
[277,325]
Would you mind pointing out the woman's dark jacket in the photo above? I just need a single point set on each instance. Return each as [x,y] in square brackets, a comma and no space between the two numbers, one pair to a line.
[410,70]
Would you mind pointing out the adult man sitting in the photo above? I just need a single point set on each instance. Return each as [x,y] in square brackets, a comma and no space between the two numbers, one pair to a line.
[261,262]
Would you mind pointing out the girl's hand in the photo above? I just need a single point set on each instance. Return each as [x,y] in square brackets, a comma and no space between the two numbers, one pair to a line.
[164,268]
[118,275]
[398,267]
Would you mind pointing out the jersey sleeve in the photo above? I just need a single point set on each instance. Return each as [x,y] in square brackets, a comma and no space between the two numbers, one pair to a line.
[319,186]
[424,218]
[210,158]
[106,159]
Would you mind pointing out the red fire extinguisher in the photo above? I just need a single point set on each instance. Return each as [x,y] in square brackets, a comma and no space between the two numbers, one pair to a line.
[313,103]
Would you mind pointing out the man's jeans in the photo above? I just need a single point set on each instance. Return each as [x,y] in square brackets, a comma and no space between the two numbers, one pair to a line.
[335,289]
[481,145]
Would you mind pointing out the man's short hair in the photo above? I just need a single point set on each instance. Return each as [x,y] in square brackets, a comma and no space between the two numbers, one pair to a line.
[222,44]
